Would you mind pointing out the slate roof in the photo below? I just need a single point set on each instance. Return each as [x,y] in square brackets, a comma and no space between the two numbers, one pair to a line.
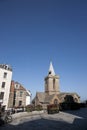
[41,96]
[45,98]
[61,95]
[48,98]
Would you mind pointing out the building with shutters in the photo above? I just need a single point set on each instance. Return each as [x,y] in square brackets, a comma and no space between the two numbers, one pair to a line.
[5,82]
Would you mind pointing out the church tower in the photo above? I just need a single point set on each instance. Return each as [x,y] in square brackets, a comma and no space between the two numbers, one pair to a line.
[52,82]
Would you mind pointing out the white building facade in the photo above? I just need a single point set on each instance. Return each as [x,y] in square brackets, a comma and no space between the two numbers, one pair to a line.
[5,82]
[28,97]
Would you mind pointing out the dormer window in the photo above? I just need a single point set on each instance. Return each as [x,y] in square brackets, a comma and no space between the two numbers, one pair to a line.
[17,86]
[5,66]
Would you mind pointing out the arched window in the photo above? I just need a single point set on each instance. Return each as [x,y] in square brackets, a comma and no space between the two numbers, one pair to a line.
[46,85]
[69,99]
[54,84]
[55,101]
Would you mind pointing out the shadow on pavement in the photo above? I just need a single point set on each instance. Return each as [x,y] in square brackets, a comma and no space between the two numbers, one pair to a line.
[40,124]
[47,124]
[81,112]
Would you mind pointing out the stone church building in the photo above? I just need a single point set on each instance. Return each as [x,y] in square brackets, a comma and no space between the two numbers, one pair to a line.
[52,94]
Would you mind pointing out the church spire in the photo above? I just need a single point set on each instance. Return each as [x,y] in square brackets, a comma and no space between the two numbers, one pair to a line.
[51,69]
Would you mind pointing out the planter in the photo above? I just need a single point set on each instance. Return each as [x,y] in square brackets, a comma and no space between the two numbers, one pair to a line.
[52,109]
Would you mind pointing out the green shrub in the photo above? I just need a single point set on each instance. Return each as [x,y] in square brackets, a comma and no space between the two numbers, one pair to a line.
[82,105]
[70,106]
[29,108]
[38,108]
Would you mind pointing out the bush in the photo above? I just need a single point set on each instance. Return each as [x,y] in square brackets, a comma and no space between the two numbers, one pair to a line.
[29,108]
[75,106]
[82,105]
[70,106]
[38,108]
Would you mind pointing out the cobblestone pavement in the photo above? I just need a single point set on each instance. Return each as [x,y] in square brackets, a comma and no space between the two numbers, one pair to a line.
[60,121]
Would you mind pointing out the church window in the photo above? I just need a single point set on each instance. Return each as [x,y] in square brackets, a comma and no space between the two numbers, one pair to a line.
[55,101]
[53,83]
[46,84]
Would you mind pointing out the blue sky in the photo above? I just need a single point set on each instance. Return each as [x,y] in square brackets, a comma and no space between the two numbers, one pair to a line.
[35,32]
